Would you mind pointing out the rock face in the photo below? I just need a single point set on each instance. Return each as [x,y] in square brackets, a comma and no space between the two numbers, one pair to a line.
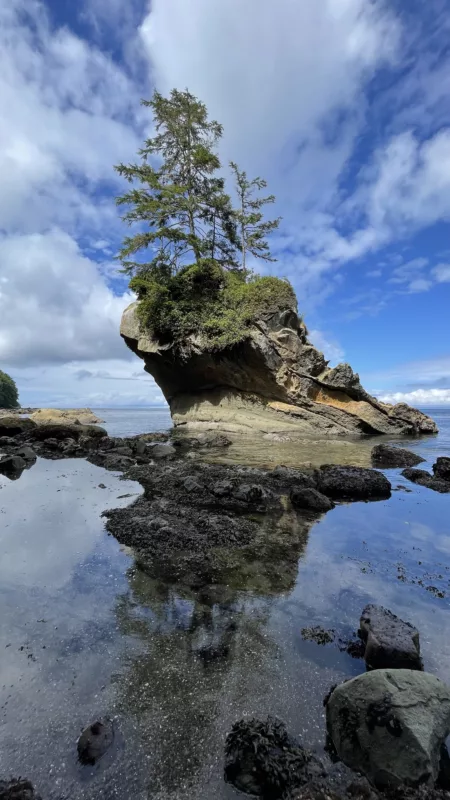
[441,468]
[390,642]
[391,725]
[77,416]
[275,380]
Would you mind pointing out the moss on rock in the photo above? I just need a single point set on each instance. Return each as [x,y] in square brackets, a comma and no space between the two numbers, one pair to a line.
[208,301]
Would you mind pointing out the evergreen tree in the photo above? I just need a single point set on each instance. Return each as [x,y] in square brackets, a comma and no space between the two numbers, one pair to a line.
[9,397]
[252,227]
[177,198]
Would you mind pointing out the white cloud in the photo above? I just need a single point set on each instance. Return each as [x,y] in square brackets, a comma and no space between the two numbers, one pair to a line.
[441,273]
[331,349]
[54,305]
[419,285]
[419,397]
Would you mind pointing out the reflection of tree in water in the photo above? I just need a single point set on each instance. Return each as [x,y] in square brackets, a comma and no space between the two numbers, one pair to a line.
[203,653]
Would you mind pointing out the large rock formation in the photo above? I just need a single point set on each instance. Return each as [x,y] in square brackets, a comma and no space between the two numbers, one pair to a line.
[274,380]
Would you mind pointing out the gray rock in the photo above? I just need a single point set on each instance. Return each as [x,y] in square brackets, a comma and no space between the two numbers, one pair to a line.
[95,741]
[441,468]
[124,451]
[310,499]
[222,488]
[162,450]
[251,494]
[385,456]
[391,725]
[140,447]
[11,464]
[115,462]
[423,478]
[352,483]
[192,485]
[390,642]
[27,453]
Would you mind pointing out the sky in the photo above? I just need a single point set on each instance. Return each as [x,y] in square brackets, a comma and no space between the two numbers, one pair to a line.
[343,106]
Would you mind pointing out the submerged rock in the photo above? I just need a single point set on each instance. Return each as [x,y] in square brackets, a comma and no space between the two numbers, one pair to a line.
[385,456]
[17,789]
[262,759]
[273,381]
[352,483]
[423,478]
[391,725]
[441,468]
[95,741]
[390,642]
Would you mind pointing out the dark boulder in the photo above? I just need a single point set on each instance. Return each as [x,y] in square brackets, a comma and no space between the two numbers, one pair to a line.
[441,468]
[385,457]
[95,741]
[14,426]
[262,759]
[390,642]
[310,499]
[17,789]
[27,453]
[10,465]
[115,462]
[252,494]
[423,478]
[352,483]
[62,431]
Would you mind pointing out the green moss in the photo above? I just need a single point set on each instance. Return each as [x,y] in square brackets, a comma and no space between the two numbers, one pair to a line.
[204,299]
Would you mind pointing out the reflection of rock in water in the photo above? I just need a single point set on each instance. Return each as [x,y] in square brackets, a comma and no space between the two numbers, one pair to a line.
[192,645]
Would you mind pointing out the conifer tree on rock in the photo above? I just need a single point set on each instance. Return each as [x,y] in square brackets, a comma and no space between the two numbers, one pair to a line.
[252,227]
[9,397]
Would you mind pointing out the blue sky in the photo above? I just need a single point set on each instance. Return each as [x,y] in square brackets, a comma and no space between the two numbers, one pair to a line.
[343,106]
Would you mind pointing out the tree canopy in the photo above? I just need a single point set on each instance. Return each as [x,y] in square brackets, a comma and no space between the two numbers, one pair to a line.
[9,396]
[188,237]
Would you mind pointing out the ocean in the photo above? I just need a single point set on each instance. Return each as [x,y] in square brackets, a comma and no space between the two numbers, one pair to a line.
[84,633]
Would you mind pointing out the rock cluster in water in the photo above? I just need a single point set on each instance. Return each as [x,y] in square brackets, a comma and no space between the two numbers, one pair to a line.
[275,380]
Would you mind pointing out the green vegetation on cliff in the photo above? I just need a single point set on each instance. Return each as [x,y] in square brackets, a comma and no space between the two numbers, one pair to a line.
[9,397]
[204,299]
[196,280]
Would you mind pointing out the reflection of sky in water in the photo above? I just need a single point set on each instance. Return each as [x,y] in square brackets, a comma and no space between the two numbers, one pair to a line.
[177,670]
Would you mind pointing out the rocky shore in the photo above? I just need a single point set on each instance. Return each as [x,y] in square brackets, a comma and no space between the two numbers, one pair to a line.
[213,529]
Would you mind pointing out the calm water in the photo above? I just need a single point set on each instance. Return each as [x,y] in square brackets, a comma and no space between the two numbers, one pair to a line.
[83,633]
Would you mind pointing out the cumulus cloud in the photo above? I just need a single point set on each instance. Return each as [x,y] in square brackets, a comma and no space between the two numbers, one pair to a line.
[419,397]
[441,273]
[54,305]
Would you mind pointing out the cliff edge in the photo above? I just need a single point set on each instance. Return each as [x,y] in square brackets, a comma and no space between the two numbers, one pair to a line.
[273,381]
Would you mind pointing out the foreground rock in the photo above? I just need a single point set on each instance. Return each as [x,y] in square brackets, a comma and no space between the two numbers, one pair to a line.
[423,478]
[17,789]
[391,726]
[95,741]
[441,468]
[273,381]
[389,641]
[73,416]
[352,483]
[384,456]
[262,759]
